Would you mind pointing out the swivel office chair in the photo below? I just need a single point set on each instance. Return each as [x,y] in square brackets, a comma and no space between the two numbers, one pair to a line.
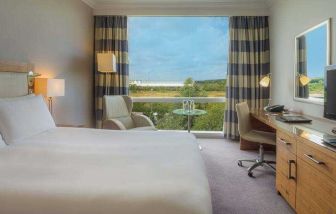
[247,133]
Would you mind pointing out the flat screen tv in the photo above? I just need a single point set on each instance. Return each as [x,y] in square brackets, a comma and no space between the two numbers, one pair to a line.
[330,92]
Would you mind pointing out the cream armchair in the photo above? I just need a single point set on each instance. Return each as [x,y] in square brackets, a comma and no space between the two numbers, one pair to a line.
[118,115]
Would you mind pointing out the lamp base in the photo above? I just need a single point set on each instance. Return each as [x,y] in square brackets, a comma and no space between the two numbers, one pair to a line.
[50,105]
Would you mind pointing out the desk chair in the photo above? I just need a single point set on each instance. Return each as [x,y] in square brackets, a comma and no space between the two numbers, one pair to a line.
[247,133]
[118,115]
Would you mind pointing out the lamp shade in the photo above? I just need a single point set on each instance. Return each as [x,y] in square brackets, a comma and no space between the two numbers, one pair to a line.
[107,63]
[50,87]
[304,80]
[265,81]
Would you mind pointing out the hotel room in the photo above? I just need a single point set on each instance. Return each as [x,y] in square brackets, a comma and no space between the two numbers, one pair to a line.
[167,106]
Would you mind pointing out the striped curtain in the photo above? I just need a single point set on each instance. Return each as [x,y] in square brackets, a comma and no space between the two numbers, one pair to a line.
[301,91]
[248,62]
[110,37]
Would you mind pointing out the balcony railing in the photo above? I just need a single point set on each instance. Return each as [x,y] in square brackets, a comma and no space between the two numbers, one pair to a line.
[160,110]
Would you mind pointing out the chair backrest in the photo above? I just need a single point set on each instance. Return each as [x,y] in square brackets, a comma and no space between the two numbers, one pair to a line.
[243,113]
[118,107]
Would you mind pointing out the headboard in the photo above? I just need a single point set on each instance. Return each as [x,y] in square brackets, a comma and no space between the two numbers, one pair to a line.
[14,78]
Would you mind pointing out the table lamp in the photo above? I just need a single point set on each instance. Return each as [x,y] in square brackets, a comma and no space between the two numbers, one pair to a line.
[107,64]
[50,88]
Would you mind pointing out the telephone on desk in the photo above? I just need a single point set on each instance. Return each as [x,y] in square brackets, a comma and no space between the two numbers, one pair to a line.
[275,108]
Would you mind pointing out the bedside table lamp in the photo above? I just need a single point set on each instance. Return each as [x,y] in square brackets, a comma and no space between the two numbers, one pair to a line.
[107,63]
[50,88]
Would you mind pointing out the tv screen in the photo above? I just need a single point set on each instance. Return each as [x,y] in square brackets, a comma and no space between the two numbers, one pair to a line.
[330,92]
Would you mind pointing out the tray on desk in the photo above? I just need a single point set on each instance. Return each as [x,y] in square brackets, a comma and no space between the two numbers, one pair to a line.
[292,119]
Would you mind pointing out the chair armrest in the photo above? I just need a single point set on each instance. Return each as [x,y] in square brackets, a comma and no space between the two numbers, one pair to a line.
[141,120]
[113,124]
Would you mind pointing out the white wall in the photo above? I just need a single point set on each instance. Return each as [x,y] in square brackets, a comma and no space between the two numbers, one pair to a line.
[288,18]
[57,37]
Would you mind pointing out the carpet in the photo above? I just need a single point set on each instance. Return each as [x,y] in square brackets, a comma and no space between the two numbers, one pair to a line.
[232,190]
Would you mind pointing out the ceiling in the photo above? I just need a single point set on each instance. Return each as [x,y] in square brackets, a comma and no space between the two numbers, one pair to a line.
[180,7]
[97,3]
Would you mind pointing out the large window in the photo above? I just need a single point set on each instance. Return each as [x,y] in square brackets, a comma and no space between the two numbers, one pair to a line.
[175,57]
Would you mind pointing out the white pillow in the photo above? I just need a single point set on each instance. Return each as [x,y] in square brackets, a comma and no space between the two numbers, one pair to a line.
[22,118]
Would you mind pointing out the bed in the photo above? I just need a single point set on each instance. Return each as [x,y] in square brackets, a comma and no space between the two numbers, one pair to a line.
[78,170]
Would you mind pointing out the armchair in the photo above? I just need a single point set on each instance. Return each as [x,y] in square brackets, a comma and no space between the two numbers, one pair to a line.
[118,115]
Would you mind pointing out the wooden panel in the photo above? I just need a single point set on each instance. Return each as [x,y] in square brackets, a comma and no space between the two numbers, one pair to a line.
[285,176]
[316,193]
[248,145]
[318,153]
[258,125]
[6,66]
[287,141]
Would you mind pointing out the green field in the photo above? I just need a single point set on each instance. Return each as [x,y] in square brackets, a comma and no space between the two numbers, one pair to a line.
[316,87]
[161,113]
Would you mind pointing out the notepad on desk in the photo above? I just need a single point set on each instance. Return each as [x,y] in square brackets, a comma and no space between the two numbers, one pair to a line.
[293,119]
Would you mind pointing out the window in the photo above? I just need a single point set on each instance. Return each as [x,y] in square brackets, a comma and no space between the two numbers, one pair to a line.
[176,57]
[316,61]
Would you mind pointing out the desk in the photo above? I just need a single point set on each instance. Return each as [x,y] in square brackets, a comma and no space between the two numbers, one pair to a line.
[306,166]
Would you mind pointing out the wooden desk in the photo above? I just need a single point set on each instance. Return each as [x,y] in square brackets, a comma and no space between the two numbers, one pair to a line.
[306,166]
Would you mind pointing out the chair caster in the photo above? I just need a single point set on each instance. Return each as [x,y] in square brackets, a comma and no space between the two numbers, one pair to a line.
[250,174]
[240,163]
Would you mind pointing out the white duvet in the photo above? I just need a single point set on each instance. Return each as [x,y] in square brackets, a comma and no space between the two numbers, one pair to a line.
[87,171]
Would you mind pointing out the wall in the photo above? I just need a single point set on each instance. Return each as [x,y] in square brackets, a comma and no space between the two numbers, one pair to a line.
[289,18]
[57,37]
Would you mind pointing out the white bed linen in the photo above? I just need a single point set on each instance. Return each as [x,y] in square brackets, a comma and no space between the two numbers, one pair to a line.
[87,171]
[2,142]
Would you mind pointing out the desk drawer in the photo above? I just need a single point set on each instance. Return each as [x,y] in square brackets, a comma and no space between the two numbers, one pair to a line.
[286,174]
[286,141]
[316,192]
[318,157]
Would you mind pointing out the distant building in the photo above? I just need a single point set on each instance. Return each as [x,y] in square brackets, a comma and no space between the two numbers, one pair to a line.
[156,83]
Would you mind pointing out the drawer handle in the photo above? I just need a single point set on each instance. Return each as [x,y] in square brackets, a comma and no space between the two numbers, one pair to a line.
[284,142]
[310,157]
[290,169]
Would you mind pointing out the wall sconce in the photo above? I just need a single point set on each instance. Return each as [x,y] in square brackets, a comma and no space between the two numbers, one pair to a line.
[304,80]
[265,82]
[31,81]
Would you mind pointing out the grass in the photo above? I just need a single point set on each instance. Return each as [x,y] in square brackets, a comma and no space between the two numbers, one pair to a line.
[146,93]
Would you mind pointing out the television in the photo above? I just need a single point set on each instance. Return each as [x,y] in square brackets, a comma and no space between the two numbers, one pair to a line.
[330,92]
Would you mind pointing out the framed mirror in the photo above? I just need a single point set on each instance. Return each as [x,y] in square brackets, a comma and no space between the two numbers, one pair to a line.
[312,54]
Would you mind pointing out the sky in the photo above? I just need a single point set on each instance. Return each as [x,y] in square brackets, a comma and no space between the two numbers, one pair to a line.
[175,48]
[316,52]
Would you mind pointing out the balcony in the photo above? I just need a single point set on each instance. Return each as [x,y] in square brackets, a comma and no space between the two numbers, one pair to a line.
[160,110]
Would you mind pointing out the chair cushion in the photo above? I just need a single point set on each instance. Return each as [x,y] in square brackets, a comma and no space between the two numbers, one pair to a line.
[260,137]
[115,107]
[127,122]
